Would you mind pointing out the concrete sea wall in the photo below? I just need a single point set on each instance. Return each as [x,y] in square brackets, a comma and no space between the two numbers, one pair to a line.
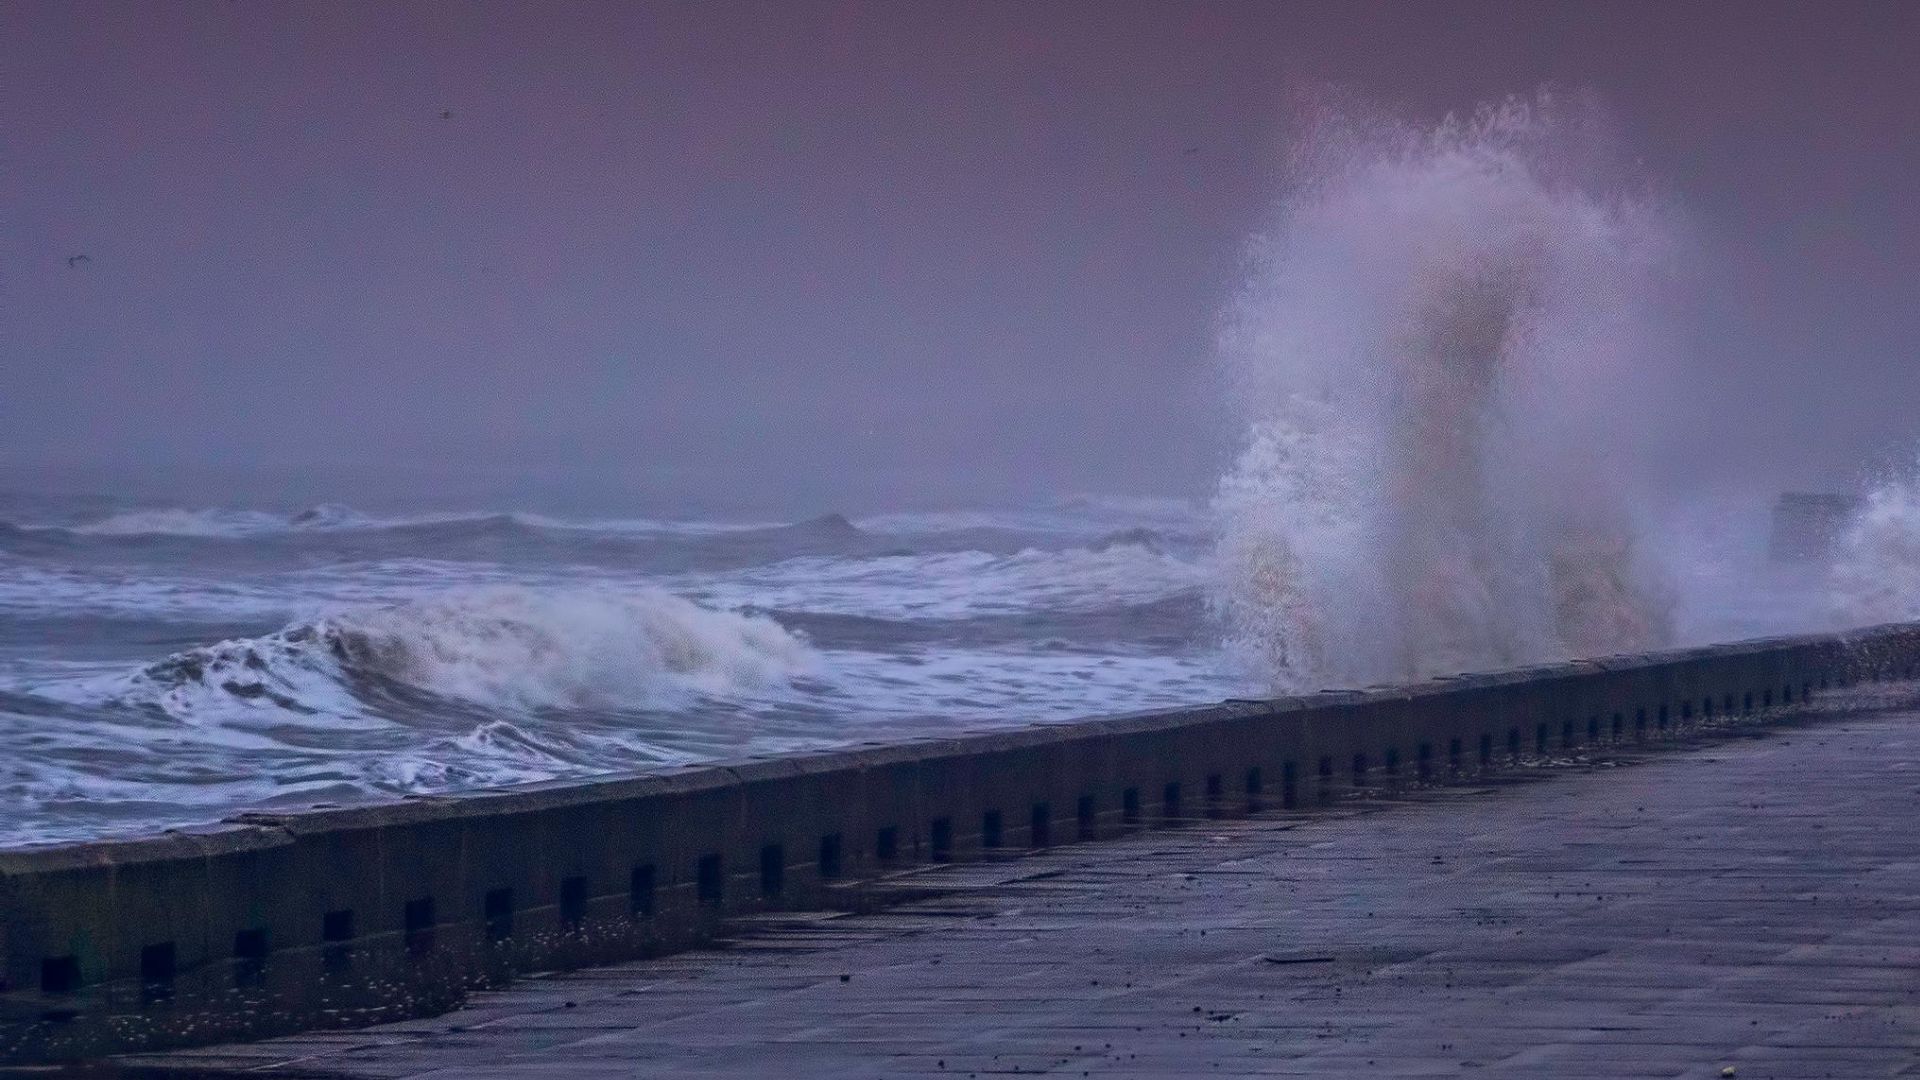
[269,923]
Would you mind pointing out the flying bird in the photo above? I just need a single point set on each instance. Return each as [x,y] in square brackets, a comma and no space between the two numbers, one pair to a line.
[73,261]
[1193,150]
[446,114]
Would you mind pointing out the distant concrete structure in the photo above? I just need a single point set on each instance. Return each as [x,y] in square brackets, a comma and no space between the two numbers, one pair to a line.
[1807,525]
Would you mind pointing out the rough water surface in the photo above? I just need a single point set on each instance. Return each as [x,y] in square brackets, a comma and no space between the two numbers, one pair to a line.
[1446,357]
[160,666]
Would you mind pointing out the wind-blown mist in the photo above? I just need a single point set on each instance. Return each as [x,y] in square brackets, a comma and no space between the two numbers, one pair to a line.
[1429,356]
[1876,575]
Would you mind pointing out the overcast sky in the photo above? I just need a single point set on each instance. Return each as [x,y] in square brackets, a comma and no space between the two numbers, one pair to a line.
[842,253]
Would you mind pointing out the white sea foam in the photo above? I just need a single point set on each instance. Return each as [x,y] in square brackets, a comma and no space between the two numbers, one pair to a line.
[1430,354]
[939,585]
[1876,574]
[932,689]
[957,585]
[502,648]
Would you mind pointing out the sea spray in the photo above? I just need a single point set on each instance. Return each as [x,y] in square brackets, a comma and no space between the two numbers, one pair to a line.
[1876,571]
[1432,355]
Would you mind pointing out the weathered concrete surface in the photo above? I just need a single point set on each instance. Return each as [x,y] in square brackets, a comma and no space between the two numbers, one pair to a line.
[1751,903]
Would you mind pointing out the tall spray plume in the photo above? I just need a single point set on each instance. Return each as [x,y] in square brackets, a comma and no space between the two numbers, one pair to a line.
[1446,345]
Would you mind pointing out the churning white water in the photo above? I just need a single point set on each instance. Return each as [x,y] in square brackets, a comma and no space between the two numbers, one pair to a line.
[1431,355]
[160,665]
[498,647]
[1876,576]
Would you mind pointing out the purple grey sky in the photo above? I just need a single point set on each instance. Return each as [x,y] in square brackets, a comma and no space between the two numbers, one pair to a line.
[841,253]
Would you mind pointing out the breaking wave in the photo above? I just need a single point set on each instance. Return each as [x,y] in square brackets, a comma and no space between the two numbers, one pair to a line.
[1876,573]
[1430,356]
[503,649]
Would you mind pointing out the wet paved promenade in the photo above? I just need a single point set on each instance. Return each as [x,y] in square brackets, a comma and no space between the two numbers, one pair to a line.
[1750,903]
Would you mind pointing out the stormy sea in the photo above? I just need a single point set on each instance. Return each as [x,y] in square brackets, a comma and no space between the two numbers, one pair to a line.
[166,666]
[1447,354]
[162,665]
